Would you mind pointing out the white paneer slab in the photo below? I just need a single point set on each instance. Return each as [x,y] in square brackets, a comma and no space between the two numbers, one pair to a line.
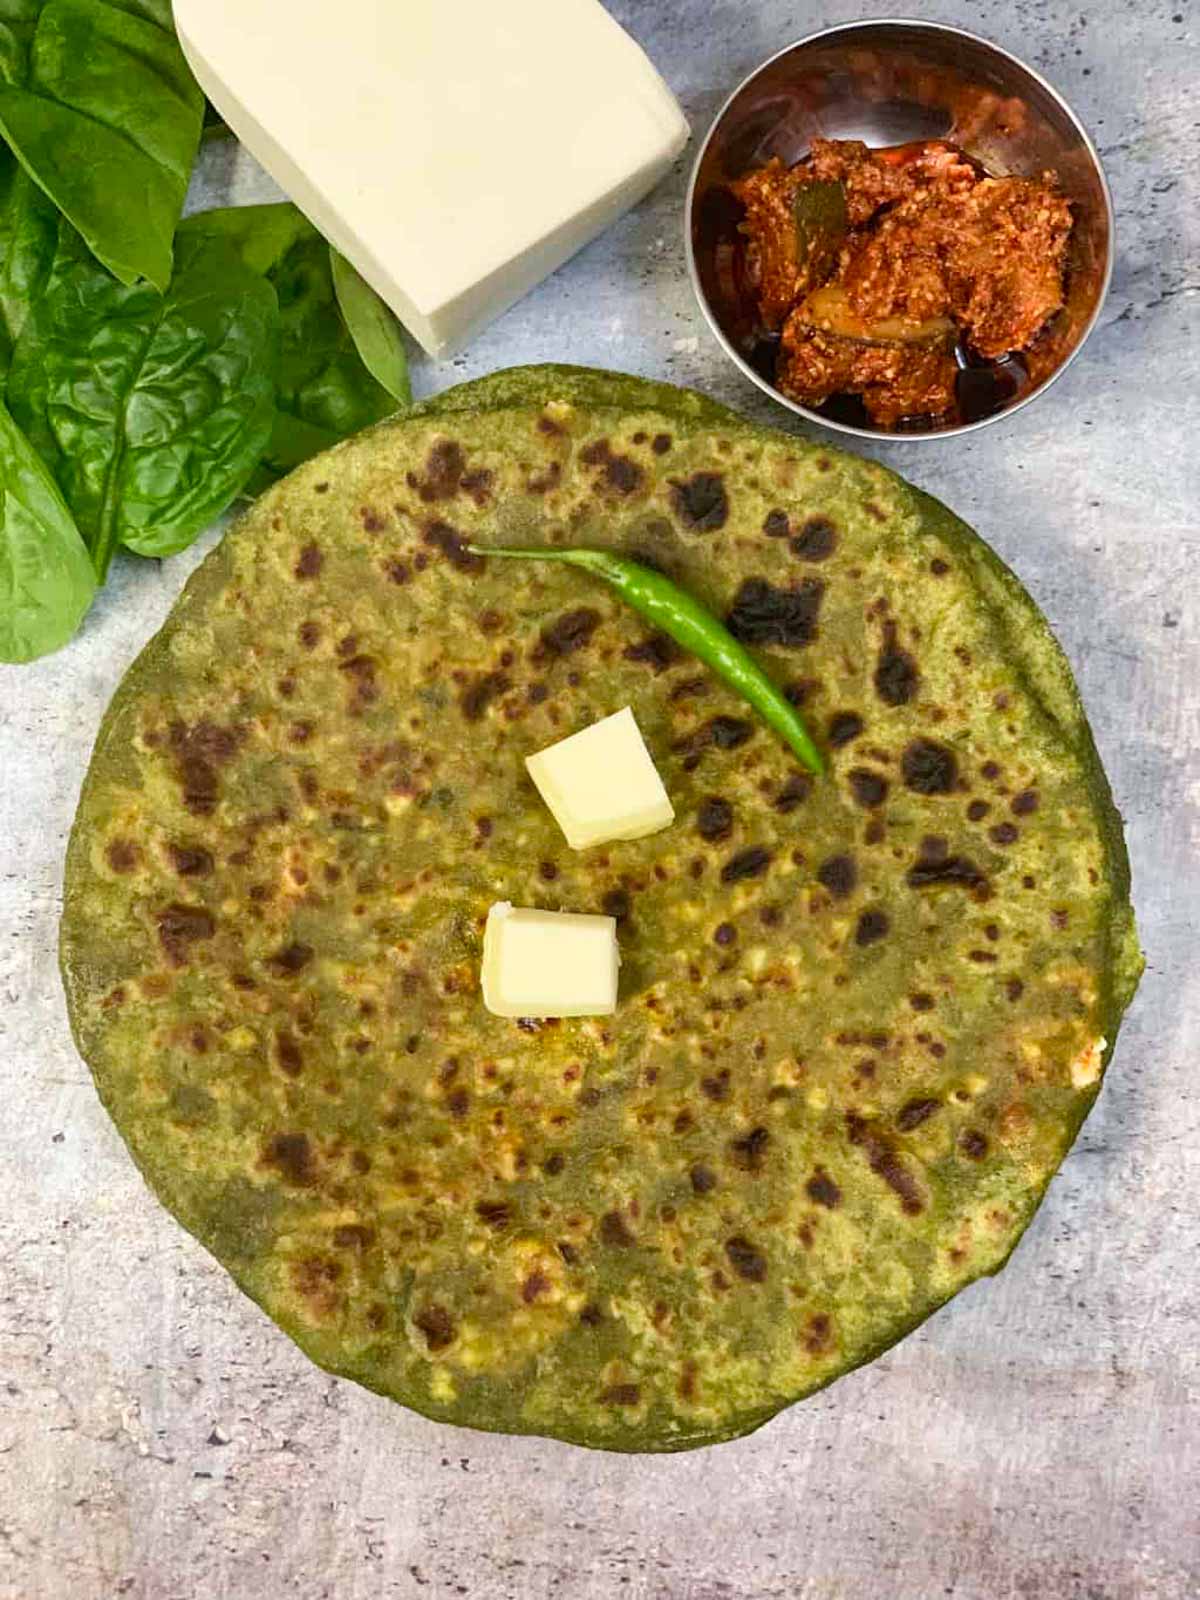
[455,153]
[602,784]
[549,963]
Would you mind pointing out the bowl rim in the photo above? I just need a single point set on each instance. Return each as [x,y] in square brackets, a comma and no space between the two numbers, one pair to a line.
[853,429]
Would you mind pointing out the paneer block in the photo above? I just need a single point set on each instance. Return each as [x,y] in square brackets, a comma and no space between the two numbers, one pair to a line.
[456,154]
[602,784]
[549,963]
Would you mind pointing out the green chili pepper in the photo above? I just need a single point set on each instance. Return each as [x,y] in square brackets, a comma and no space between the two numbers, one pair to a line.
[692,625]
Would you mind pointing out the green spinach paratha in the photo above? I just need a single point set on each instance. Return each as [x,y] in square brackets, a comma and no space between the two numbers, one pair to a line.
[861,1019]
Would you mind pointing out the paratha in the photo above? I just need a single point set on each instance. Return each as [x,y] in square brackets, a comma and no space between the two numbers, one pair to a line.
[861,1017]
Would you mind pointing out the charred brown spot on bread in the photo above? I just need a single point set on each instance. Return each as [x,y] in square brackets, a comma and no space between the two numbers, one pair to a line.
[746,1259]
[291,959]
[292,1156]
[751,862]
[481,692]
[929,767]
[353,1236]
[443,472]
[180,927]
[570,632]
[614,1230]
[868,788]
[843,727]
[315,1280]
[198,753]
[288,1053]
[617,904]
[621,1394]
[478,485]
[122,855]
[714,819]
[658,651]
[438,1326]
[452,545]
[727,733]
[822,1190]
[872,927]
[458,1102]
[721,733]
[885,1163]
[534,1286]
[763,615]
[309,561]
[701,502]
[620,474]
[495,1214]
[896,674]
[795,790]
[838,874]
[800,691]
[360,672]
[703,1179]
[749,1150]
[818,1334]
[914,1112]
[816,540]
[935,866]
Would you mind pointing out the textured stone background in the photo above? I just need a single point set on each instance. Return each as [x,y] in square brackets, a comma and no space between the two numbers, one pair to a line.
[1041,1436]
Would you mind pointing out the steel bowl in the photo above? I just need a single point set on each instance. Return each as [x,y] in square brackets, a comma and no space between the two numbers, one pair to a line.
[889,83]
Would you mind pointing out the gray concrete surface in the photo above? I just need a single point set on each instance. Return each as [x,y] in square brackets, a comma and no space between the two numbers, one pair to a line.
[160,1440]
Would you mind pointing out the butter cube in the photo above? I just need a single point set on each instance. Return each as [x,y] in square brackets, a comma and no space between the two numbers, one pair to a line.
[602,784]
[549,963]
[456,154]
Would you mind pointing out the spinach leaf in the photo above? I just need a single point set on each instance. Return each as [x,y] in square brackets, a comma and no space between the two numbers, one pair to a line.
[18,19]
[28,238]
[261,235]
[324,391]
[150,410]
[100,108]
[374,329]
[46,578]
